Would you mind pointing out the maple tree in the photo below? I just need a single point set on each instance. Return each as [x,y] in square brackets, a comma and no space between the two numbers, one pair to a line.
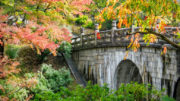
[38,23]
[151,14]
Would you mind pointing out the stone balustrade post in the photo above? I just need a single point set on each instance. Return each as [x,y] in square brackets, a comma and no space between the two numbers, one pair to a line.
[133,28]
[96,31]
[157,25]
[114,27]
[81,36]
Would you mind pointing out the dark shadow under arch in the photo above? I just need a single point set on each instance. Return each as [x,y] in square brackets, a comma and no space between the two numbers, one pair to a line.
[127,72]
[177,90]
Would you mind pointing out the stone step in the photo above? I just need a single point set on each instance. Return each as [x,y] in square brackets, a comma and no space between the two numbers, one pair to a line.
[73,68]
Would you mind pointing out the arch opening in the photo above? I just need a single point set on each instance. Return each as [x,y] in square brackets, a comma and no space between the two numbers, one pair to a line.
[127,72]
[177,90]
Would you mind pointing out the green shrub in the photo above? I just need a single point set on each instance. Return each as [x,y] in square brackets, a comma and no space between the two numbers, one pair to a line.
[81,20]
[12,50]
[129,92]
[107,25]
[84,21]
[89,24]
[56,78]
[66,48]
[21,94]
[13,92]
[47,96]
[166,98]
[90,93]
[41,86]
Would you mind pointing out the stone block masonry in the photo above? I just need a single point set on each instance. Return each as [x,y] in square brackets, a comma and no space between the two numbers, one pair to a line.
[101,65]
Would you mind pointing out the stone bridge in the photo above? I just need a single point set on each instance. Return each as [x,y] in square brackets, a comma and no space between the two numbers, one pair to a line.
[103,60]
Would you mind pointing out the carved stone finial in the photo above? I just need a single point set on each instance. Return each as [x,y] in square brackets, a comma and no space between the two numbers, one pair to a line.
[82,30]
[96,27]
[114,24]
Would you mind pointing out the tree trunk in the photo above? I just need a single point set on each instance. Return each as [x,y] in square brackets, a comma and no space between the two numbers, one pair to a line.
[1,48]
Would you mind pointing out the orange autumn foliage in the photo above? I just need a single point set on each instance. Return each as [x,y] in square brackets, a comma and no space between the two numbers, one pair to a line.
[142,13]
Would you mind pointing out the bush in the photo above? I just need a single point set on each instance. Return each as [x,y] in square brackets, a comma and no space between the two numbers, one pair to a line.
[66,48]
[47,96]
[107,25]
[42,84]
[21,93]
[81,20]
[56,78]
[84,21]
[89,24]
[13,91]
[129,92]
[12,50]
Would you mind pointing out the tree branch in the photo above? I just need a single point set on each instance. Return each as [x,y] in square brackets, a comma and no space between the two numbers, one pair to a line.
[161,36]
[47,7]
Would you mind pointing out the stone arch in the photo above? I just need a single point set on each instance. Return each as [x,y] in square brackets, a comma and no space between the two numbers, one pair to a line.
[126,72]
[177,90]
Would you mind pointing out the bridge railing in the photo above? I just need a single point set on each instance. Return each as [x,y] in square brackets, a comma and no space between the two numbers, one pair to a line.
[116,37]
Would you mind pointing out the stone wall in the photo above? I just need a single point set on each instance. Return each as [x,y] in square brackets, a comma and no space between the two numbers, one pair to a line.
[178,62]
[100,65]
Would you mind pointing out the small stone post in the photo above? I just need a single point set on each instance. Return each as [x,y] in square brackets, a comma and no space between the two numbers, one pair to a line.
[81,37]
[157,25]
[96,31]
[133,28]
[178,24]
[156,28]
[114,27]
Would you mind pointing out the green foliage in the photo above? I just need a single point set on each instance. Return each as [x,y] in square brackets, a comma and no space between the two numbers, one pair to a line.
[90,93]
[129,92]
[81,20]
[42,84]
[135,91]
[66,48]
[47,96]
[13,91]
[84,21]
[97,6]
[56,78]
[49,82]
[21,93]
[167,98]
[106,25]
[178,36]
[89,24]
[12,50]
